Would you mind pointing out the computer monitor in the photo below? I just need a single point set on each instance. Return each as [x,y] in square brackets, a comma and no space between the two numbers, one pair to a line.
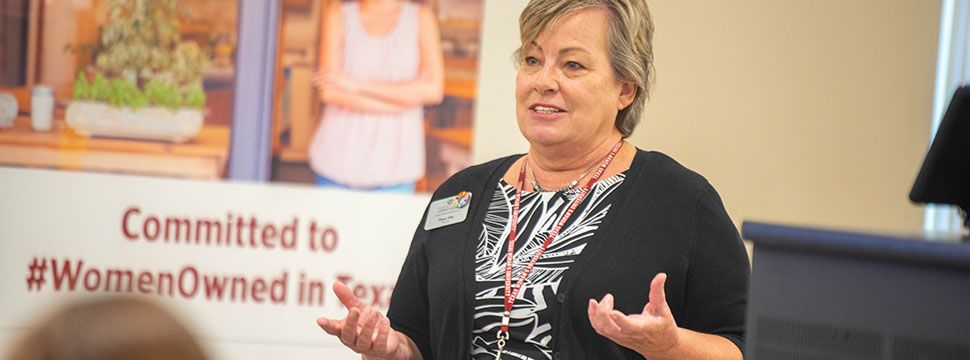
[945,174]
[824,294]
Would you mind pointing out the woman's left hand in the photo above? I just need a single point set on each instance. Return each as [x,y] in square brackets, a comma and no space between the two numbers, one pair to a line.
[326,80]
[652,332]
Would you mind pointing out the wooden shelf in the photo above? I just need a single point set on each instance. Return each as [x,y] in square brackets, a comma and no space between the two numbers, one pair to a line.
[203,157]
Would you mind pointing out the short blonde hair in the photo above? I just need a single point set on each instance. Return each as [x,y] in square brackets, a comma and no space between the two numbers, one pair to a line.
[629,43]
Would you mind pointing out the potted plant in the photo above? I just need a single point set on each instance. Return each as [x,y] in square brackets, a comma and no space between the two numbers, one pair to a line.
[145,82]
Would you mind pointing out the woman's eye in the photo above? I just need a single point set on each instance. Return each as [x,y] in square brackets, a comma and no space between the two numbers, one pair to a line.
[531,60]
[572,65]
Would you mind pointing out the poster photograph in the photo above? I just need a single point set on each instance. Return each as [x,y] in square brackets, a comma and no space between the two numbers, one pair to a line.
[376,95]
[116,159]
[126,87]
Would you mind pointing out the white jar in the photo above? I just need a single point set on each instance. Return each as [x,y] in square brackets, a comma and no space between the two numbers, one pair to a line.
[42,108]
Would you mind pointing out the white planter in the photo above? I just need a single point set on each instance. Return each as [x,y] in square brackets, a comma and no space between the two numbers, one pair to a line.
[150,123]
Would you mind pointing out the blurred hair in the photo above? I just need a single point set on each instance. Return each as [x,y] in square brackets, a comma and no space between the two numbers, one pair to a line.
[629,43]
[112,328]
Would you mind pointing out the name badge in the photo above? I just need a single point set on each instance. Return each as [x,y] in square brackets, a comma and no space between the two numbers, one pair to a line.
[447,211]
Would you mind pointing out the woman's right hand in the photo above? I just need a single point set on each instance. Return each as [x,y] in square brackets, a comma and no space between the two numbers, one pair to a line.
[366,331]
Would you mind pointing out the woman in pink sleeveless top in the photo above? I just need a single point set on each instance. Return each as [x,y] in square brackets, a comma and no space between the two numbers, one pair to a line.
[381,62]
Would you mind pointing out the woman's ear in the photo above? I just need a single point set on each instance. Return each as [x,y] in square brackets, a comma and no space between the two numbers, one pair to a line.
[628,91]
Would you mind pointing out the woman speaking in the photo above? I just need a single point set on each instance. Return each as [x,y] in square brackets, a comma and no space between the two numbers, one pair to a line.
[584,247]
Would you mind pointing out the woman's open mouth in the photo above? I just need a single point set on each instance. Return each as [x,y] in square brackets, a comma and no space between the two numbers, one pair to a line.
[546,109]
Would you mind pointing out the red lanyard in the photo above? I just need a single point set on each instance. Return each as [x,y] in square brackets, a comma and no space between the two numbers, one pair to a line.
[512,292]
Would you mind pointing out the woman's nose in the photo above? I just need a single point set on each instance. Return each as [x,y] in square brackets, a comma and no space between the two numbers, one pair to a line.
[547,79]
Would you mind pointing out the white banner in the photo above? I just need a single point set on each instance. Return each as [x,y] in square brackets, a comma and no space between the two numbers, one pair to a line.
[248,266]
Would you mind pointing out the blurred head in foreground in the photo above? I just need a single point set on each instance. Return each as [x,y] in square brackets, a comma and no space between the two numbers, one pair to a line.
[109,328]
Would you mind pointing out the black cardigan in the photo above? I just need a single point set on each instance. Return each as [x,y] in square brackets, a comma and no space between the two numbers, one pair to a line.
[664,218]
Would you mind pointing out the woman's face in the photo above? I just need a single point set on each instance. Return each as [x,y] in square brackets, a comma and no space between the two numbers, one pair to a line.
[565,91]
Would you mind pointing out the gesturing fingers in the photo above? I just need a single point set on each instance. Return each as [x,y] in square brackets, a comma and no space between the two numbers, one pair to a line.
[365,329]
[383,331]
[658,297]
[627,324]
[651,331]
[594,317]
[346,296]
[599,316]
[331,326]
[605,308]
[369,321]
[348,335]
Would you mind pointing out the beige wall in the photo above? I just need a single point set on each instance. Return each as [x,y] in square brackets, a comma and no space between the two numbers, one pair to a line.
[809,112]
